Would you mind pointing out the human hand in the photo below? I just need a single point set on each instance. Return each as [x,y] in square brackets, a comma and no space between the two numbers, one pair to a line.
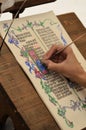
[65,63]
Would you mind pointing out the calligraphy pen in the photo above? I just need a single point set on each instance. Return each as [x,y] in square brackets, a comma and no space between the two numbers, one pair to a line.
[12,23]
[58,52]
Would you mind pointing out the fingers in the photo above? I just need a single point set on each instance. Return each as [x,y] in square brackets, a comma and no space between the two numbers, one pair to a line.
[68,50]
[53,66]
[52,50]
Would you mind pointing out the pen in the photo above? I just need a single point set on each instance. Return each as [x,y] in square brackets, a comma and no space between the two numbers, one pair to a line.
[58,52]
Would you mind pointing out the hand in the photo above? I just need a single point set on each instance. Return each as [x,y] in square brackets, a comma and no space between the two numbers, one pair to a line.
[67,64]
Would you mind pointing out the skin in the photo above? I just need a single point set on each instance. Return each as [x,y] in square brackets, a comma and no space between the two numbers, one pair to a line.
[66,64]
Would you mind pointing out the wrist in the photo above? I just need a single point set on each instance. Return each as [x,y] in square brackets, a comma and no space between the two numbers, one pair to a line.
[81,78]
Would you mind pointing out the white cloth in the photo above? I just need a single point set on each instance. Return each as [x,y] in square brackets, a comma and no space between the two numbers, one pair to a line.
[6,4]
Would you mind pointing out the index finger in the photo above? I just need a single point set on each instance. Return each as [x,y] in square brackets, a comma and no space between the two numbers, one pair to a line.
[52,50]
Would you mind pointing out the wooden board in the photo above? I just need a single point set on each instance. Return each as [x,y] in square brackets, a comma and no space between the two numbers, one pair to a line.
[19,88]
[7,108]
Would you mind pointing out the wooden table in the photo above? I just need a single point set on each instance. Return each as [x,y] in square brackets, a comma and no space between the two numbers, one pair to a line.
[21,91]
[8,109]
